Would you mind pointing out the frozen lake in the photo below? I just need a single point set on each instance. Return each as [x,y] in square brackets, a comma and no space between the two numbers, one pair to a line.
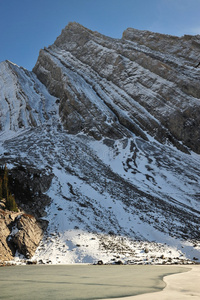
[77,282]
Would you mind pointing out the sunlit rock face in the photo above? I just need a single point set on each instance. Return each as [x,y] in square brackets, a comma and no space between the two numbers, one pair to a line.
[144,82]
[19,232]
[105,133]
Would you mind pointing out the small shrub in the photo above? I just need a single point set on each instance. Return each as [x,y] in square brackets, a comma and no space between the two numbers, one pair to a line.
[10,203]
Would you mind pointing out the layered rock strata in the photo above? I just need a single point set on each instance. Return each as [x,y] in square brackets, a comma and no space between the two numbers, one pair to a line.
[90,139]
[144,82]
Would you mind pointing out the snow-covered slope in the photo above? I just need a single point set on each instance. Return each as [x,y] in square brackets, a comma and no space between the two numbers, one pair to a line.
[25,102]
[124,187]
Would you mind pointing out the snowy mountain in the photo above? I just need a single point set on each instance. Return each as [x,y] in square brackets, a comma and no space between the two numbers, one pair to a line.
[112,129]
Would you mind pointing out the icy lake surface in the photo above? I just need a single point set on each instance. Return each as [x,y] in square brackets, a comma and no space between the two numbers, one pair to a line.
[81,281]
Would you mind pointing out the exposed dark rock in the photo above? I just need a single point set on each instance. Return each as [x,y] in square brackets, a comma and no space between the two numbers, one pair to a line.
[119,262]
[29,185]
[195,258]
[30,262]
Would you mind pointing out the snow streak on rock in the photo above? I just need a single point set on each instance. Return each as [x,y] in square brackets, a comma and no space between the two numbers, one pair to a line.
[25,102]
[146,86]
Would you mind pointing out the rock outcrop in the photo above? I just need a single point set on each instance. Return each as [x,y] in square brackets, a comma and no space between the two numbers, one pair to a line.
[19,232]
[29,234]
[6,219]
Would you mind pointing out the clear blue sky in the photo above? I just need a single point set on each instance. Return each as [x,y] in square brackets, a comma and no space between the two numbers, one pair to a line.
[26,26]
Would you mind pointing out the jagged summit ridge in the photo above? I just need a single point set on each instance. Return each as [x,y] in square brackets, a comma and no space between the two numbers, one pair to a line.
[186,47]
[148,90]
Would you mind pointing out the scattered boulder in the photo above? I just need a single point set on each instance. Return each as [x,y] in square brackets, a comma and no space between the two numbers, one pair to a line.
[195,258]
[31,262]
[119,262]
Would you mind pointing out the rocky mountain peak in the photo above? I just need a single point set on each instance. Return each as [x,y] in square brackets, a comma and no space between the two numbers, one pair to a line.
[106,133]
[75,35]
[145,82]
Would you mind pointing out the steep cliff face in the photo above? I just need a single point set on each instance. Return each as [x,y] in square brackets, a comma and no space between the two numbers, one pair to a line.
[19,232]
[145,82]
[107,132]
